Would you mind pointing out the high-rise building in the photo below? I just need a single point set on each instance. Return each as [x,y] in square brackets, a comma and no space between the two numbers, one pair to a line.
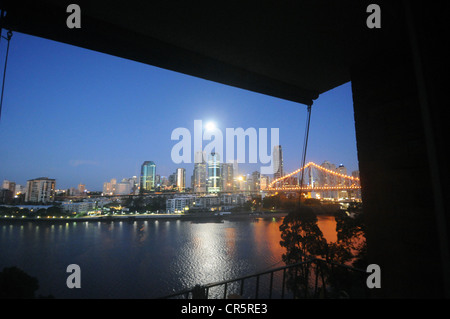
[8,191]
[343,171]
[181,179]
[81,188]
[199,175]
[326,179]
[235,168]
[164,182]
[148,176]
[264,182]
[255,184]
[227,177]
[173,180]
[40,190]
[277,162]
[10,186]
[109,188]
[214,176]
[125,187]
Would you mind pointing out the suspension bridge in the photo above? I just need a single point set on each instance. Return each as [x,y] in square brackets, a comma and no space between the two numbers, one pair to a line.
[315,178]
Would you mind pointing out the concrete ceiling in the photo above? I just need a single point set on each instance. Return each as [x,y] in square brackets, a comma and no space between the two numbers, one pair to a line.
[293,50]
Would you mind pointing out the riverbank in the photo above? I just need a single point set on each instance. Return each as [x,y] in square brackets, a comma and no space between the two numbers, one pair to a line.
[327,210]
[136,217]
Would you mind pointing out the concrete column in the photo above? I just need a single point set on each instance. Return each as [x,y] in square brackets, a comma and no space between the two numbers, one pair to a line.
[399,152]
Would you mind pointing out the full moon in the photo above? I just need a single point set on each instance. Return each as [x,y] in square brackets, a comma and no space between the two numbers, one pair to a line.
[210,126]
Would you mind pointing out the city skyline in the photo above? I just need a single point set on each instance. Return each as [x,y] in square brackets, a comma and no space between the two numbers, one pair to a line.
[208,177]
[93,125]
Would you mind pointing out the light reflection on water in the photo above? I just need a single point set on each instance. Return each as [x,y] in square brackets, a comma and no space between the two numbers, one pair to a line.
[142,259]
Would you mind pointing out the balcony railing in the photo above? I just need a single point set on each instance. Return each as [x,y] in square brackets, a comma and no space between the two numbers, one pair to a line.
[314,278]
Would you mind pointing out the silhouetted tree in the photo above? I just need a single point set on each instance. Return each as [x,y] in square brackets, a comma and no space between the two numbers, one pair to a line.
[55,211]
[350,236]
[348,249]
[16,284]
[301,236]
[303,239]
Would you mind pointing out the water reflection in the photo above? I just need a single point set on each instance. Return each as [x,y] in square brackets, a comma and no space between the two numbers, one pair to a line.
[141,259]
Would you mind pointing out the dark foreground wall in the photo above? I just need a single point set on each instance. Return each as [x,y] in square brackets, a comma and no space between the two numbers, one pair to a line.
[401,142]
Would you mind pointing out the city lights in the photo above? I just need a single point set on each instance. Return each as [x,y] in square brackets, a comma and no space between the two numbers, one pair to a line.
[354,185]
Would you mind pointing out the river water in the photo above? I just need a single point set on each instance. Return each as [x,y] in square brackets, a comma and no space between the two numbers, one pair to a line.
[143,259]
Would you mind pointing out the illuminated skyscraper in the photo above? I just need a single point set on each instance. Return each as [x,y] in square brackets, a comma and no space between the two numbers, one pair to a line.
[255,184]
[227,177]
[199,176]
[148,176]
[277,162]
[181,179]
[214,174]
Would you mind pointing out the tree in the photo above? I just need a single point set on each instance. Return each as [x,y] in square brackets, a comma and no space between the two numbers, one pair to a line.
[350,236]
[16,284]
[303,239]
[54,211]
[156,203]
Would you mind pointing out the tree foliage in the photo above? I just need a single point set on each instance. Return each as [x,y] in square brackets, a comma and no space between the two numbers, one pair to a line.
[16,284]
[303,240]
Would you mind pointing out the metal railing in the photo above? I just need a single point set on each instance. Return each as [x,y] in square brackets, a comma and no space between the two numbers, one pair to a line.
[314,278]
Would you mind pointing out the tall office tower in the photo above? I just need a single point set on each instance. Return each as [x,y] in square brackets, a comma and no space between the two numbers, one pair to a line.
[124,187]
[10,186]
[356,193]
[327,179]
[181,179]
[235,168]
[172,180]
[148,176]
[199,175]
[40,190]
[109,188]
[8,190]
[328,165]
[264,182]
[81,188]
[214,175]
[199,157]
[277,162]
[255,185]
[227,177]
[164,182]
[343,170]
[342,181]
[135,182]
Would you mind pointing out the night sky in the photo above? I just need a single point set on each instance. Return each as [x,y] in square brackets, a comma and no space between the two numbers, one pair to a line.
[80,116]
